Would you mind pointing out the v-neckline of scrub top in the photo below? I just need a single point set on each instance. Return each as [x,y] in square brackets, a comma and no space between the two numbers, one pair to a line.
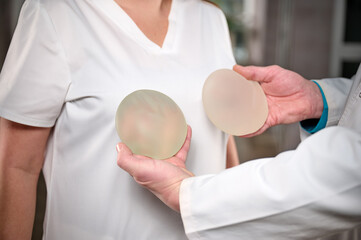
[126,23]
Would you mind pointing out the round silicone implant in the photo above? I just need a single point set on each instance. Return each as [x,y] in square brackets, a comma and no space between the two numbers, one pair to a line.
[151,124]
[234,104]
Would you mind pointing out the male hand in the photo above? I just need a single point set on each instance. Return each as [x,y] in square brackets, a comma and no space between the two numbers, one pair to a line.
[162,177]
[291,98]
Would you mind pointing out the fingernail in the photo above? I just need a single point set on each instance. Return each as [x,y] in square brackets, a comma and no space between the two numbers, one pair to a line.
[118,148]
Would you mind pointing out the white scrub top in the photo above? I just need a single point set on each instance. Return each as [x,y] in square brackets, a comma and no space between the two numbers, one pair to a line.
[70,64]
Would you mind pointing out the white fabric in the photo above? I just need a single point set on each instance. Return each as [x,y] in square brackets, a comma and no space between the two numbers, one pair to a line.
[70,63]
[313,191]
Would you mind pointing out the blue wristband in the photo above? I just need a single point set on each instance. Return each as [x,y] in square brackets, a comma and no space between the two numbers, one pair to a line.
[314,125]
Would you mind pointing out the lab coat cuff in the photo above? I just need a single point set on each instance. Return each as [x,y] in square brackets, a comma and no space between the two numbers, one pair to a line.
[314,125]
[191,225]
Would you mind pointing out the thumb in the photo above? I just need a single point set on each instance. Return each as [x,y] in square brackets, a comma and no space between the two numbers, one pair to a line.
[252,73]
[183,152]
[125,158]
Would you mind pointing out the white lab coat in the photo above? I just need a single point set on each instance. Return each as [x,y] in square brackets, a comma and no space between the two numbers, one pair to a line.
[311,192]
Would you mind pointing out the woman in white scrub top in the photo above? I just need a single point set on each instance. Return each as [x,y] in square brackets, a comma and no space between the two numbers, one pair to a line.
[70,64]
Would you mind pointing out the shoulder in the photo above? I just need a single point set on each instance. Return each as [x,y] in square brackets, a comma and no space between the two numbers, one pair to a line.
[203,8]
[209,6]
[44,3]
[49,5]
[56,12]
[212,13]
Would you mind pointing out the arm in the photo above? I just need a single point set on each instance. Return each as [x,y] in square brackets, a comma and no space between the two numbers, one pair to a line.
[232,154]
[306,193]
[21,159]
[301,194]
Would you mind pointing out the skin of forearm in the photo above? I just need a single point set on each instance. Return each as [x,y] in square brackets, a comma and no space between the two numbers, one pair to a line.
[232,154]
[21,159]
[17,203]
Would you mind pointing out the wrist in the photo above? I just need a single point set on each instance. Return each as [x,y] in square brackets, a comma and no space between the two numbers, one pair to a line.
[316,101]
[172,200]
[170,197]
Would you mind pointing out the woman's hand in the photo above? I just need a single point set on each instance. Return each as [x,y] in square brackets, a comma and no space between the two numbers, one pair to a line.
[291,98]
[162,177]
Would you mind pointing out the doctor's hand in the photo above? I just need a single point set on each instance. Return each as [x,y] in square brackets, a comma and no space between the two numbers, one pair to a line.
[291,98]
[162,177]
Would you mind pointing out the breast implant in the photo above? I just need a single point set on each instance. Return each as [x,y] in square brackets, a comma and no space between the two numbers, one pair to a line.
[151,124]
[234,104]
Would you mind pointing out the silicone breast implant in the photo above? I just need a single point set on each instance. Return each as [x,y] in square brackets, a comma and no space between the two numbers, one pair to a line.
[151,124]
[234,104]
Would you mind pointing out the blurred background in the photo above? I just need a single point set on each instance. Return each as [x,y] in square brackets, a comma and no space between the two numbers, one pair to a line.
[317,39]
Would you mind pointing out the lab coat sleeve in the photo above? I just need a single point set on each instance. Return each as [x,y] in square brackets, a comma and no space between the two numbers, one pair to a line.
[336,91]
[301,194]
